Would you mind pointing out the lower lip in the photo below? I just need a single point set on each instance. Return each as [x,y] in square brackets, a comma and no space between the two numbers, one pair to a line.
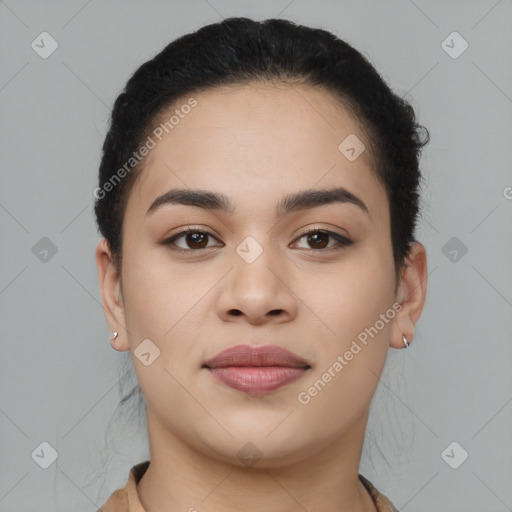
[257,380]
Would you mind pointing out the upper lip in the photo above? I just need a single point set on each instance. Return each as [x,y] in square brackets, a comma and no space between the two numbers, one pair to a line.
[263,355]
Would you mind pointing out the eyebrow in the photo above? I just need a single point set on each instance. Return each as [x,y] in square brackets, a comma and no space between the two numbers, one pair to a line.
[301,200]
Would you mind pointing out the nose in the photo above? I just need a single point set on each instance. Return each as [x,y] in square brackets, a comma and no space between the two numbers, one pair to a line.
[259,292]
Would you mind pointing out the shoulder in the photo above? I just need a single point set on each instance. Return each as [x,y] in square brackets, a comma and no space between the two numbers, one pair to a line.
[126,498]
[118,502]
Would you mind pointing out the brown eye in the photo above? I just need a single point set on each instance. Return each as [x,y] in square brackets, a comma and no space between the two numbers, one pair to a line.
[318,239]
[197,240]
[194,239]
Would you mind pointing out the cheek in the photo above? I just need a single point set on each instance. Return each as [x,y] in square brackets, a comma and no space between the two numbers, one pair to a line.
[352,296]
[166,303]
[354,344]
[155,296]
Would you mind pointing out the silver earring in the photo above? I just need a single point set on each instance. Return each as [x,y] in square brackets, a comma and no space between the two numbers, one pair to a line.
[113,336]
[404,339]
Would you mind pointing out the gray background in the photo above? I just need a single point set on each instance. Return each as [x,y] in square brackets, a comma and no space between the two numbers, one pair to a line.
[59,374]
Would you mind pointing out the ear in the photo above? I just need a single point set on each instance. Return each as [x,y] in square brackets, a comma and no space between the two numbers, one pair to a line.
[111,296]
[411,293]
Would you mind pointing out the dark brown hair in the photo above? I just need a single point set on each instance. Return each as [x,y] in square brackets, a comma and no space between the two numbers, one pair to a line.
[240,50]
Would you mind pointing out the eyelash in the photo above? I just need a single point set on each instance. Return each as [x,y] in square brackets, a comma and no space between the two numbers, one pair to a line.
[343,241]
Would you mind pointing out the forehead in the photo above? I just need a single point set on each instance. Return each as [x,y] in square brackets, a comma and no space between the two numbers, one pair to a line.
[256,138]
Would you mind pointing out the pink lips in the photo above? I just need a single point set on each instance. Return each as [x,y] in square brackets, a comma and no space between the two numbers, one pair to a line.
[256,370]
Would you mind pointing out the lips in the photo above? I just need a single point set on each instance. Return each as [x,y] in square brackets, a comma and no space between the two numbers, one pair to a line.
[256,370]
[245,355]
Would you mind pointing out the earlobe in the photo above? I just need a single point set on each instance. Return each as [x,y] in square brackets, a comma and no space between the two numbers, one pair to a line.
[109,283]
[413,289]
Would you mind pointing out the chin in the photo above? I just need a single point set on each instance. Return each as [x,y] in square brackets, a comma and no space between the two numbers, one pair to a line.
[255,448]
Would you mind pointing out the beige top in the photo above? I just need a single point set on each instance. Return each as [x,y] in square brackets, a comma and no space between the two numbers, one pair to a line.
[127,498]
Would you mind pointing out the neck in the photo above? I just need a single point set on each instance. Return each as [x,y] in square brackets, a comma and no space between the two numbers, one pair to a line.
[180,477]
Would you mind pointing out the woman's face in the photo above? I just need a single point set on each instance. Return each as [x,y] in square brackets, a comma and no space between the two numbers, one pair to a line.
[252,276]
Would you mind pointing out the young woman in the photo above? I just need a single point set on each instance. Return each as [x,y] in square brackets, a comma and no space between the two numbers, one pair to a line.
[258,196]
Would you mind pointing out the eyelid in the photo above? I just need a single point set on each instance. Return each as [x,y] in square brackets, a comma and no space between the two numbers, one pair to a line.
[343,241]
[316,227]
[183,232]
